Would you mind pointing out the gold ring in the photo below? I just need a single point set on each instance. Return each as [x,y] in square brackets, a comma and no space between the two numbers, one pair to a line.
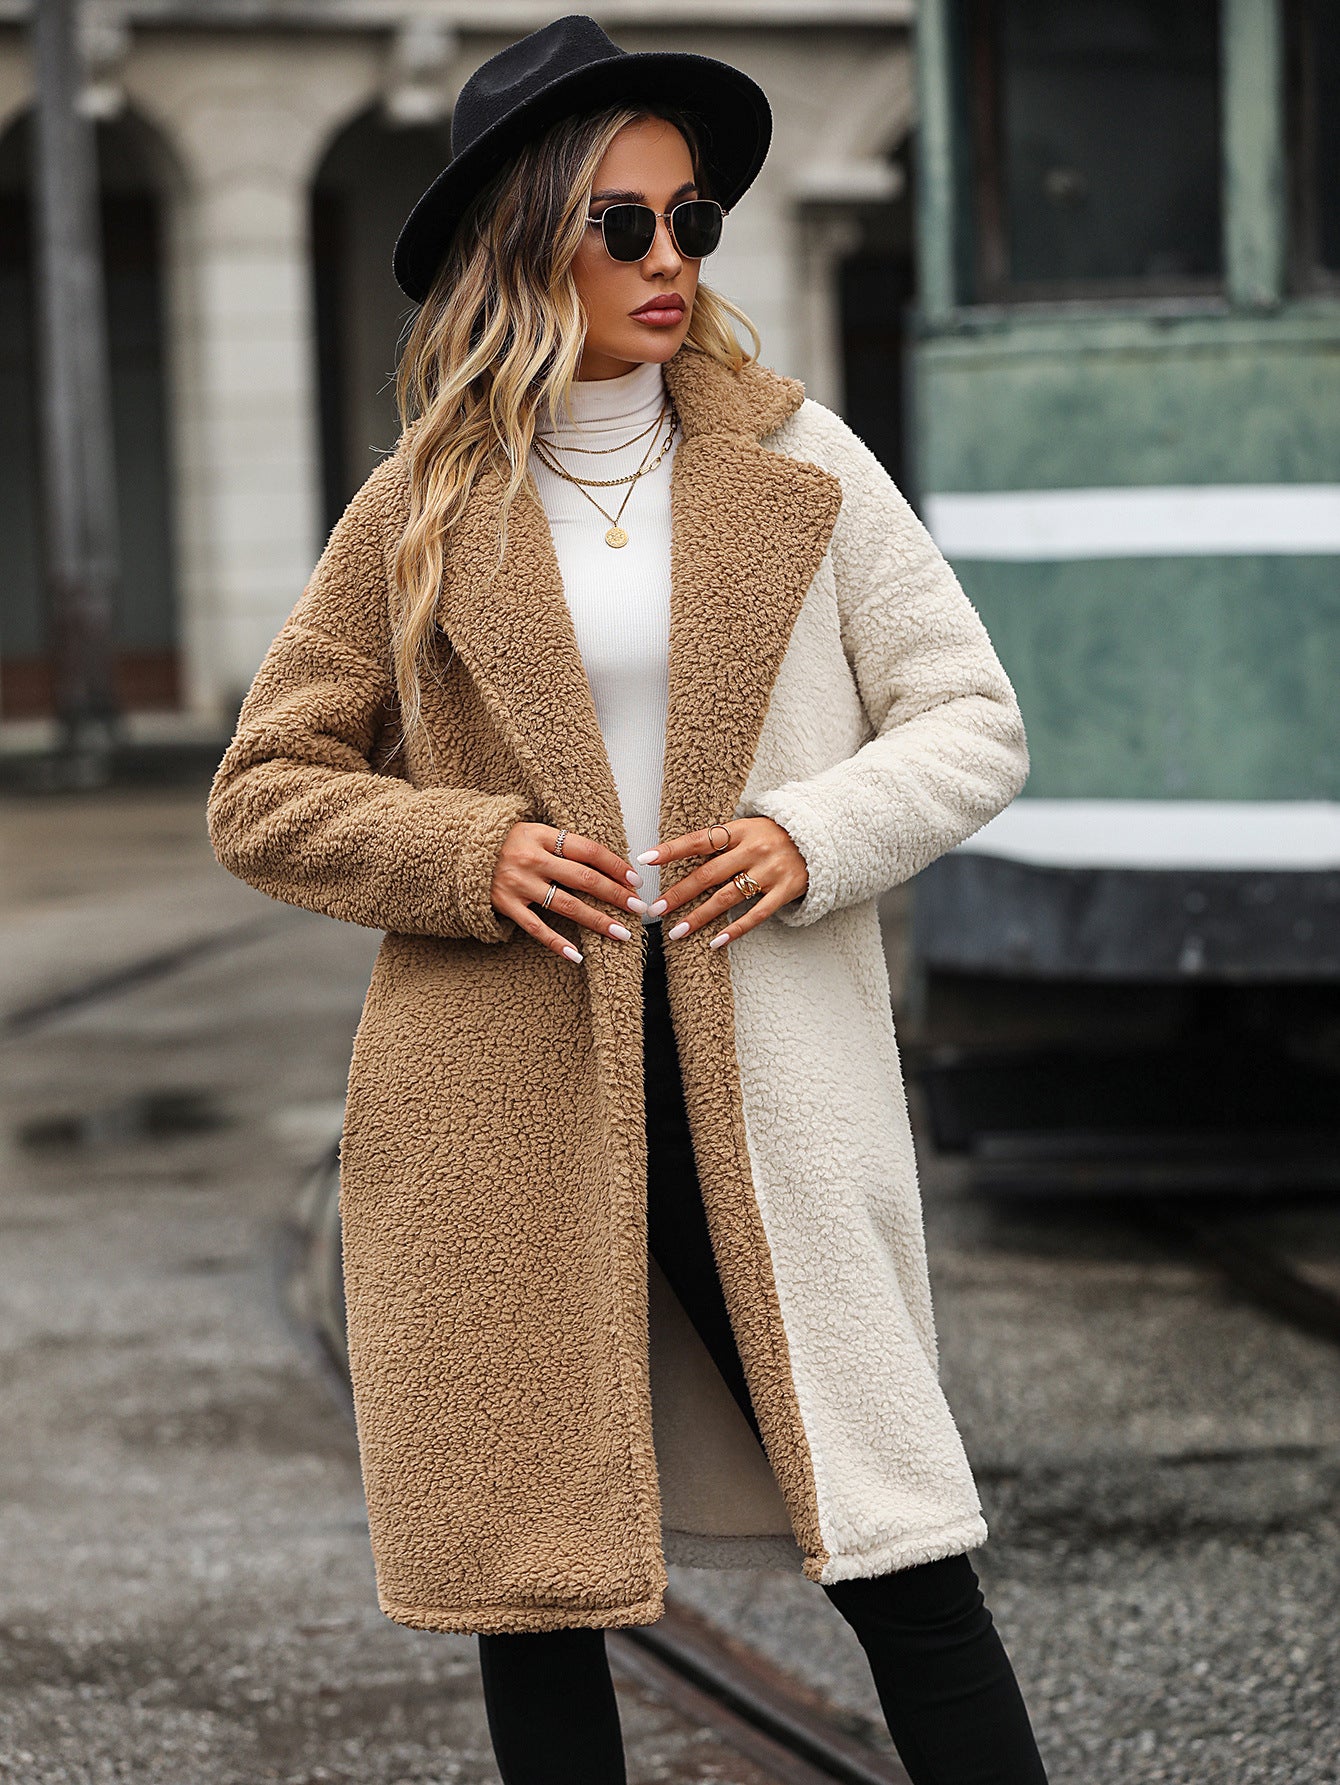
[553,888]
[559,841]
[747,884]
[725,845]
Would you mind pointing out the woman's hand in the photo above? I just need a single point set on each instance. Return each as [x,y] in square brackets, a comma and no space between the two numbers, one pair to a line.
[527,864]
[758,847]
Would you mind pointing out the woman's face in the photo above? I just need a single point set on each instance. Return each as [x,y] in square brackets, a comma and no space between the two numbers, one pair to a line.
[647,163]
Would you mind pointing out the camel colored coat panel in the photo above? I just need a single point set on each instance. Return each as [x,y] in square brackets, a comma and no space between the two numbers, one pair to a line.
[507,1340]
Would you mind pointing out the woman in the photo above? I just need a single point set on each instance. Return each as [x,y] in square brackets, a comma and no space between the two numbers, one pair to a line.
[621,690]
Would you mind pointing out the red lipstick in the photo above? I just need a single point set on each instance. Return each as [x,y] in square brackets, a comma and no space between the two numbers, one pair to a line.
[662,311]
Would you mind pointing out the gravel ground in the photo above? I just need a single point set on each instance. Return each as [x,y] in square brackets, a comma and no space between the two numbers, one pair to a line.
[187,1592]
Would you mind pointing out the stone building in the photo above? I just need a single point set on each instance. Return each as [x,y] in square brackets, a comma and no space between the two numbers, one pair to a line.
[256,159]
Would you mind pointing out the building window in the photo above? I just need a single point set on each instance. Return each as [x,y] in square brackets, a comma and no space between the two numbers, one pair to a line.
[1095,146]
[1314,143]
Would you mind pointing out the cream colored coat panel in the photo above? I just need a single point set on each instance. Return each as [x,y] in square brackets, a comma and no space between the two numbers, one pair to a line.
[892,734]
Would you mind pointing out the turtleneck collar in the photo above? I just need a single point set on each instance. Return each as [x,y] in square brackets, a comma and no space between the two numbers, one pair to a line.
[612,403]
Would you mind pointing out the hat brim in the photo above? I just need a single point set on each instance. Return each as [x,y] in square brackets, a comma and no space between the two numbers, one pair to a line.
[733,111]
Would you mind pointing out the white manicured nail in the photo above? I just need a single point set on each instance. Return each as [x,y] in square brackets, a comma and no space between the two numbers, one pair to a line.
[649,855]
[633,877]
[617,929]
[656,909]
[719,941]
[680,929]
[638,905]
[571,952]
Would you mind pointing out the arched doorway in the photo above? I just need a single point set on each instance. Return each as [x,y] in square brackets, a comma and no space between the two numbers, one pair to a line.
[367,181]
[131,163]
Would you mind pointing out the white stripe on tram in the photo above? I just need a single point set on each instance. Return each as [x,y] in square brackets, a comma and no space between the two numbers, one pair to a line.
[1255,835]
[1183,520]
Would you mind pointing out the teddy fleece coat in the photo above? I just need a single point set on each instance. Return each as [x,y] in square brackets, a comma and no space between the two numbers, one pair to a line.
[539,1426]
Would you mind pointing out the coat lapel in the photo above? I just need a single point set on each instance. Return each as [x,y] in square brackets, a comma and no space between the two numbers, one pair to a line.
[749,528]
[511,624]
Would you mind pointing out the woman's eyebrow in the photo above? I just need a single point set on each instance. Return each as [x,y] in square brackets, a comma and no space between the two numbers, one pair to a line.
[640,198]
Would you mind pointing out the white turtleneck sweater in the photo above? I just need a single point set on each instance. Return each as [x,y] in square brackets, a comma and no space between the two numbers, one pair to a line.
[619,598]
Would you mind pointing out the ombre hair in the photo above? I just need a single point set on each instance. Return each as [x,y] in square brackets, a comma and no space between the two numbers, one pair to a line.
[494,348]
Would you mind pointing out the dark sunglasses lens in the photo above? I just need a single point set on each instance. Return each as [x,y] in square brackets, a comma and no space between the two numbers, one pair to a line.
[629,230]
[697,227]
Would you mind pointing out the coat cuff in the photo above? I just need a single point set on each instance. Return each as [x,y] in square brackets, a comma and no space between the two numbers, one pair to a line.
[801,817]
[463,891]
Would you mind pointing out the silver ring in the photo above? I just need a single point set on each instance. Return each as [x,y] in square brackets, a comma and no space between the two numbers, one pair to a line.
[559,841]
[553,888]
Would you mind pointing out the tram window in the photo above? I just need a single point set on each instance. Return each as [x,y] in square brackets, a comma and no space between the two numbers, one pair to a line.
[1096,145]
[1314,131]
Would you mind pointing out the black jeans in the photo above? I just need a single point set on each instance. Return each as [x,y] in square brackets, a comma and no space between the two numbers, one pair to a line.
[944,1681]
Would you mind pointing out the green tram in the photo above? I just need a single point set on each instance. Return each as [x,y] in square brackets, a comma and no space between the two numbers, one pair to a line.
[1126,439]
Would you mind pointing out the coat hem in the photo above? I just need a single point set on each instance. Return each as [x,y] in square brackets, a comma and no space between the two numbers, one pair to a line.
[492,1620]
[906,1552]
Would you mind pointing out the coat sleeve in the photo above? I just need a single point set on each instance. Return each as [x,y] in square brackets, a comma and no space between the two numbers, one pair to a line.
[298,807]
[949,750]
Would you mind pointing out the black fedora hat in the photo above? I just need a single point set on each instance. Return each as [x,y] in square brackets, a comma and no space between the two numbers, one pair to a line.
[566,67]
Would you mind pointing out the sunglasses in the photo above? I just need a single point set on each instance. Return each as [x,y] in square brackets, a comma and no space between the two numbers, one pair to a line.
[630,230]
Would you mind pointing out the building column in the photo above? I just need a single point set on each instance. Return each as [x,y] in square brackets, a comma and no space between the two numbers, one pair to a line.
[837,127]
[756,266]
[827,236]
[249,124]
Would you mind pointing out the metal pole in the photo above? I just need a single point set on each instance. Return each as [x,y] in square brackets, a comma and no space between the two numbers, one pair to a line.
[78,455]
[939,170]
[1255,195]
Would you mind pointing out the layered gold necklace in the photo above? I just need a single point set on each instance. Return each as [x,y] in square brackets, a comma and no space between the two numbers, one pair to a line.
[615,534]
[551,440]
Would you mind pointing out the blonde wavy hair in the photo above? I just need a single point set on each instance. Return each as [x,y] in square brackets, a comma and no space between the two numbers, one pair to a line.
[496,344]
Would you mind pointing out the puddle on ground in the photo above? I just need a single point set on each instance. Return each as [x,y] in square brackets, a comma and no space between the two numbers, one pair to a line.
[153,1115]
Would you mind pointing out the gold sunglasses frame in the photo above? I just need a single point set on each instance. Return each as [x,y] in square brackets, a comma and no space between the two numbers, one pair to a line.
[666,217]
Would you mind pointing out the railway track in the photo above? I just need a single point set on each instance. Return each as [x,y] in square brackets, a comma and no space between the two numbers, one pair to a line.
[31,1015]
[1252,1270]
[1112,1130]
[787,1732]
[768,1718]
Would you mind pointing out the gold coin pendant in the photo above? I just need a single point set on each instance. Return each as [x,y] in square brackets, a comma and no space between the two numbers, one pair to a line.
[616,536]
